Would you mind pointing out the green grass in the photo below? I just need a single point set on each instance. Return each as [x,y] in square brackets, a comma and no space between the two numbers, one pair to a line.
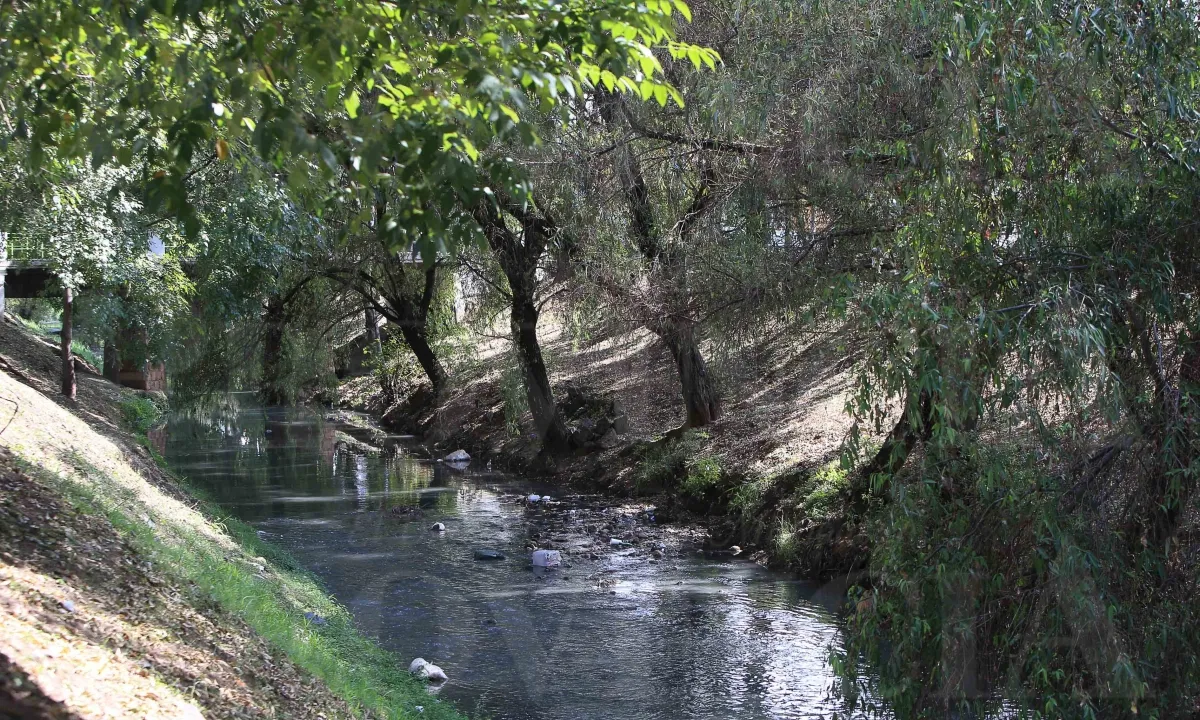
[273,602]
[77,347]
[141,413]
[87,354]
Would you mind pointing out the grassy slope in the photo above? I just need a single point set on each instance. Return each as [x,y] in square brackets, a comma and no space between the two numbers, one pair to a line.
[80,451]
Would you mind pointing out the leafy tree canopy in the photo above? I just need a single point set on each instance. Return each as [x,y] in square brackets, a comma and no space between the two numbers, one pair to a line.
[394,94]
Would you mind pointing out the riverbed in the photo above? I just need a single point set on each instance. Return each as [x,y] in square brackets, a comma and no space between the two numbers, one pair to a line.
[650,627]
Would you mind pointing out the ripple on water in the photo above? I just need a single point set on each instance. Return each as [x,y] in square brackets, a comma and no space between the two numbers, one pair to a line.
[618,636]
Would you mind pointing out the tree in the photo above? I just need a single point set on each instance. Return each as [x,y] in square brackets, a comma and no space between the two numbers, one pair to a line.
[110,83]
[518,251]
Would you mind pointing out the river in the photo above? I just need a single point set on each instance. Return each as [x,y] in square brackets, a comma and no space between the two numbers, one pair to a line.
[614,633]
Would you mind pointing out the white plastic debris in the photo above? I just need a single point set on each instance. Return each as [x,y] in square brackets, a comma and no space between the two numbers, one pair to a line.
[458,456]
[534,498]
[547,558]
[438,527]
[616,543]
[425,670]
[433,673]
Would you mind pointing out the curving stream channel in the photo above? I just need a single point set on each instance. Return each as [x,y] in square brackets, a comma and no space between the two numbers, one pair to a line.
[650,629]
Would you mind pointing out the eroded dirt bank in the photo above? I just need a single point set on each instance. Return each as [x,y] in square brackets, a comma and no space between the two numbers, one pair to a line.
[763,478]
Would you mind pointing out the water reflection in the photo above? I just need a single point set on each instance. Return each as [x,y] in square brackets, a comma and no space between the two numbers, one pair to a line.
[601,638]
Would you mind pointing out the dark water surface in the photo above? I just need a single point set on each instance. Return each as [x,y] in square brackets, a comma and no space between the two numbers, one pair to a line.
[610,637]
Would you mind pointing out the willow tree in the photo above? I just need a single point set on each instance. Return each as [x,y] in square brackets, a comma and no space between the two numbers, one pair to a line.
[1032,365]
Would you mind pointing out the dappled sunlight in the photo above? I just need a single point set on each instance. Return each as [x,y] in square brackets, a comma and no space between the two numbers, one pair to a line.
[68,652]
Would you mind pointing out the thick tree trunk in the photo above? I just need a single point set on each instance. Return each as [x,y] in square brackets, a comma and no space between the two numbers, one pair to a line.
[900,443]
[700,401]
[549,423]
[518,259]
[271,388]
[68,359]
[418,341]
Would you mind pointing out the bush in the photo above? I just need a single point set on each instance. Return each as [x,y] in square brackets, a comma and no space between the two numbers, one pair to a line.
[681,465]
[141,413]
[397,371]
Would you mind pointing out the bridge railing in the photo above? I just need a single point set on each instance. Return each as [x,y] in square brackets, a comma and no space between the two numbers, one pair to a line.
[16,247]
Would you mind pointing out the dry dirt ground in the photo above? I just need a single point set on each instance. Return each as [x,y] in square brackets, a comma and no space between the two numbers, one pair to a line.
[783,396]
[88,627]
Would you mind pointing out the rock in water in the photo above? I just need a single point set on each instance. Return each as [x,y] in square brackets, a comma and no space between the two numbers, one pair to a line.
[489,555]
[547,558]
[438,527]
[458,456]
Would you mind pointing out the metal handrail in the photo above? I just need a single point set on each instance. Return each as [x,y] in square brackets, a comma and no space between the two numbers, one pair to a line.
[16,247]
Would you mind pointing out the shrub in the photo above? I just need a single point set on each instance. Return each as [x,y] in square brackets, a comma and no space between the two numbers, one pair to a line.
[680,464]
[141,413]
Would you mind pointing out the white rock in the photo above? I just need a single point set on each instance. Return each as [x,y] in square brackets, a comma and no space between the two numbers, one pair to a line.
[547,558]
[438,527]
[458,456]
[415,666]
[534,498]
[545,498]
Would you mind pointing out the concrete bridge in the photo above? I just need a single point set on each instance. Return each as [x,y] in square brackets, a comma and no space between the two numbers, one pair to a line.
[27,272]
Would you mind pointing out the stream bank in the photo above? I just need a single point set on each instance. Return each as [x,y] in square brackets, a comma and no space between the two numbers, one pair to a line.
[124,595]
[795,516]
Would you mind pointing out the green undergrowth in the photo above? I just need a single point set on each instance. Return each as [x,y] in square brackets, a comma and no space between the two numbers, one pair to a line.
[678,465]
[141,413]
[262,585]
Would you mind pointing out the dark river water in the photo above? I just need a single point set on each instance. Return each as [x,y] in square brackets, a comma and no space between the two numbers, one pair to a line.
[614,633]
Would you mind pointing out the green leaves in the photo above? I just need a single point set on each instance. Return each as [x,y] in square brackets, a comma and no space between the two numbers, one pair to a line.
[313,81]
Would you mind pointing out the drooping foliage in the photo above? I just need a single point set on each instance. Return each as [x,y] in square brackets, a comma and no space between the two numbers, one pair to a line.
[997,201]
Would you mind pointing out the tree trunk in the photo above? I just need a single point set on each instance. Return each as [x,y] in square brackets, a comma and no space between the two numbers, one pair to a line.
[418,341]
[1172,482]
[899,443]
[68,359]
[112,360]
[372,325]
[271,388]
[549,423]
[700,401]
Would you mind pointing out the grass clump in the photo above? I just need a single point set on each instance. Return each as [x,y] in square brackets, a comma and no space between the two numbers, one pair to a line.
[824,496]
[681,465]
[141,413]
